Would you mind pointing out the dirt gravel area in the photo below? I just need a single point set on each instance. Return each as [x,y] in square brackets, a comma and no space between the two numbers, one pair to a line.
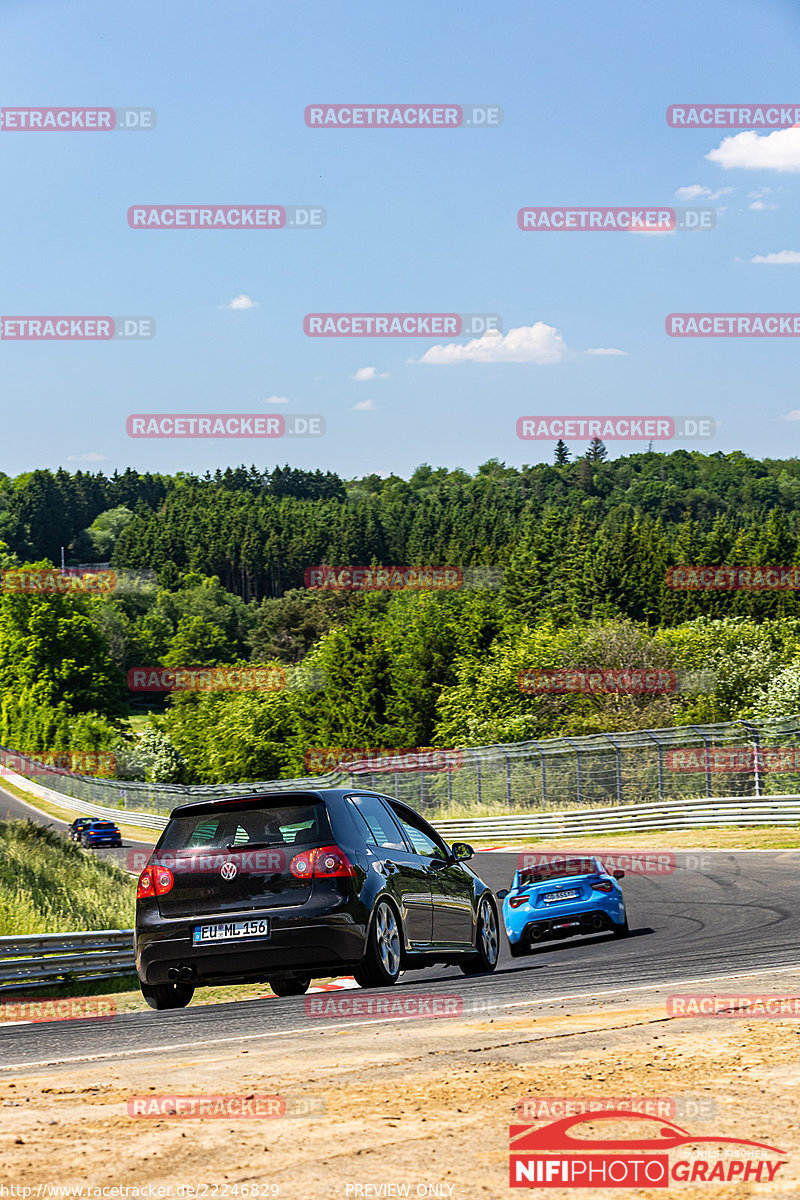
[418,1108]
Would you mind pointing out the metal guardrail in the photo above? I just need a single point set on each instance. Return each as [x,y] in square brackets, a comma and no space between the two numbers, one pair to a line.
[43,959]
[636,818]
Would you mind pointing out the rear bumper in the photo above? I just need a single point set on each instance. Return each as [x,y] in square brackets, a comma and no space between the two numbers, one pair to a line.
[316,943]
[567,922]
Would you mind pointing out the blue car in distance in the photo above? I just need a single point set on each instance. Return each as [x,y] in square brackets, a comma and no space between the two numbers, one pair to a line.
[560,898]
[100,833]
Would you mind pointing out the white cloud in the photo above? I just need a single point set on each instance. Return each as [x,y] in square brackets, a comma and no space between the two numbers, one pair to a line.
[778,258]
[601,350]
[240,304]
[92,456]
[759,199]
[277,400]
[538,343]
[794,415]
[777,151]
[696,191]
[363,374]
[364,406]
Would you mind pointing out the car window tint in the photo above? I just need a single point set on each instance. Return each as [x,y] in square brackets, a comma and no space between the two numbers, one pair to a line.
[418,833]
[283,824]
[376,823]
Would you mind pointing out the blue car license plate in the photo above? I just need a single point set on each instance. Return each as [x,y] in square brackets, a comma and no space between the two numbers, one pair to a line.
[553,897]
[230,931]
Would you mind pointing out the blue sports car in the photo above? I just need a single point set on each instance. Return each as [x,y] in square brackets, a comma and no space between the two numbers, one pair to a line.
[100,833]
[559,898]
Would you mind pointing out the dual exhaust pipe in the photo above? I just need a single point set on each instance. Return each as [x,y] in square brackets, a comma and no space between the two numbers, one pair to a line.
[597,924]
[181,975]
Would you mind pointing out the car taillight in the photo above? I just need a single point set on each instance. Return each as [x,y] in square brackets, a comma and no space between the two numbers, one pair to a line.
[145,887]
[602,885]
[517,901]
[328,862]
[163,879]
[154,881]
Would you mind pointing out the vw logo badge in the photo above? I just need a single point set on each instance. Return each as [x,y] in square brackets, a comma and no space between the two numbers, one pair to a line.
[228,870]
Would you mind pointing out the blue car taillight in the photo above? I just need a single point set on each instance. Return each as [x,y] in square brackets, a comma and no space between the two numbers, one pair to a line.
[602,885]
[517,901]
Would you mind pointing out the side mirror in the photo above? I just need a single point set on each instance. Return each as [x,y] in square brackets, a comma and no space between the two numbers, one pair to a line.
[619,874]
[461,851]
[501,895]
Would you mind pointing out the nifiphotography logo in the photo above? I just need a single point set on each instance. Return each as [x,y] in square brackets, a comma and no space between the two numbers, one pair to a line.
[641,1151]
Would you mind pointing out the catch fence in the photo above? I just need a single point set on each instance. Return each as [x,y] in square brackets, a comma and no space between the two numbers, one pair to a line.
[734,758]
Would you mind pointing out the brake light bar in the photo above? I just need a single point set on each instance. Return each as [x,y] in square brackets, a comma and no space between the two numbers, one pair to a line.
[327,862]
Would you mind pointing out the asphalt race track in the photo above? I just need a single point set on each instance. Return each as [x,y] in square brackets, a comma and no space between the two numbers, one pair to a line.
[717,914]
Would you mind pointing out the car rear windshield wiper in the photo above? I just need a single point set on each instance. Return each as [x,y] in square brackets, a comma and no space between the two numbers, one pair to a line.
[253,845]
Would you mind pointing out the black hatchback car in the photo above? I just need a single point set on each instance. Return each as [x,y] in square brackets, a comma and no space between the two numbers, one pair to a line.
[285,886]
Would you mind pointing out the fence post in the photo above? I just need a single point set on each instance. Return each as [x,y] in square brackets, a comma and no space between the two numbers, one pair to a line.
[396,786]
[660,763]
[708,764]
[478,776]
[449,782]
[508,779]
[618,753]
[578,781]
[751,729]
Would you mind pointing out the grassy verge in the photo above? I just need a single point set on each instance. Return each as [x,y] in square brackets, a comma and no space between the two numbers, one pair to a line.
[50,885]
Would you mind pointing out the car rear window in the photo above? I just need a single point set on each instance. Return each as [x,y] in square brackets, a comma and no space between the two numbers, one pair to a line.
[298,823]
[103,825]
[557,870]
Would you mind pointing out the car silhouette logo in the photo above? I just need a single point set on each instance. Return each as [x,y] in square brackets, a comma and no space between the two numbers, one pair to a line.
[556,1136]
[228,870]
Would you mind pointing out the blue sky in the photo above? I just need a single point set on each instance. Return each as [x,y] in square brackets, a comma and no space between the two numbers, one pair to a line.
[417,221]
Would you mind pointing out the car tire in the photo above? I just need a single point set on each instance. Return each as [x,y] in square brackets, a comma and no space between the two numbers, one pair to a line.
[167,995]
[382,961]
[622,931]
[487,938]
[290,985]
[85,843]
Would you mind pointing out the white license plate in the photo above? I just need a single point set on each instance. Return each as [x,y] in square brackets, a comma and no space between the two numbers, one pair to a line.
[230,931]
[552,897]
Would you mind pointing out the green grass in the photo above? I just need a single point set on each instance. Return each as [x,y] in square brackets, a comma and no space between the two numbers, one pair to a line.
[50,885]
